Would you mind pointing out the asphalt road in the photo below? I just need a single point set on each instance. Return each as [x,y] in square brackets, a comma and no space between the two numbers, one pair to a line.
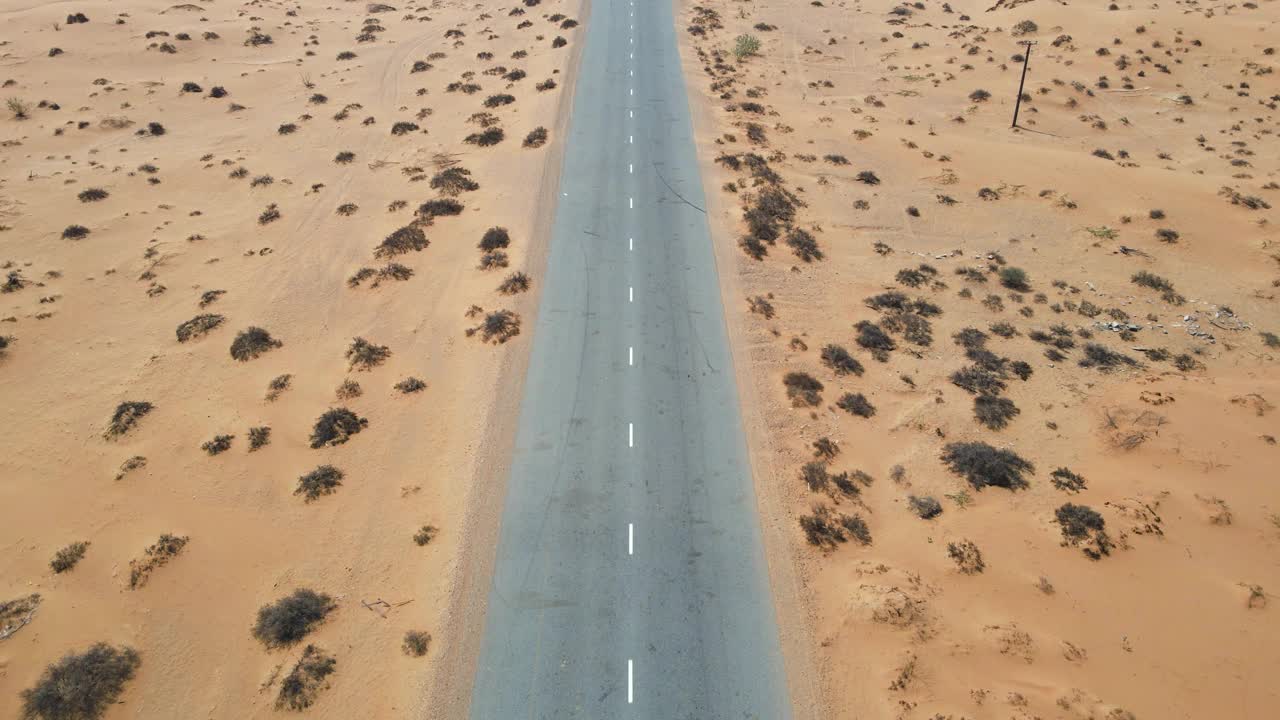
[630,579]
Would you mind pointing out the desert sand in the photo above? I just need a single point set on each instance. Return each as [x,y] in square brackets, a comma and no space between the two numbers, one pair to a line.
[1091,299]
[172,176]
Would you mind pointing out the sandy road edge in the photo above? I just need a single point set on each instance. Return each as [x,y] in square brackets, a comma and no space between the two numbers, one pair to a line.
[795,614]
[462,628]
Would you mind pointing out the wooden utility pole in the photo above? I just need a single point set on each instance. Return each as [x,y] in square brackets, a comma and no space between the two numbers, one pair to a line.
[1026,58]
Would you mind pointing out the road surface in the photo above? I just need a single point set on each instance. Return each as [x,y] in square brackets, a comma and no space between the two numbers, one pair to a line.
[630,579]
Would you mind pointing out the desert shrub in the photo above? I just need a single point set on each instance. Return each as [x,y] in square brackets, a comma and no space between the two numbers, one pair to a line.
[487,137]
[299,689]
[289,619]
[491,260]
[219,444]
[970,338]
[409,238]
[1026,27]
[190,87]
[347,209]
[364,355]
[403,128]
[804,245]
[1081,524]
[278,385]
[66,558]
[867,177]
[1155,282]
[259,437]
[217,92]
[81,686]
[198,326]
[93,195]
[1104,359]
[126,417]
[410,385]
[993,412]
[454,181]
[155,129]
[1270,339]
[348,390]
[416,643]
[840,361]
[335,427]
[439,207]
[269,215]
[514,283]
[257,38]
[287,129]
[251,343]
[324,480]
[856,404]
[983,465]
[967,557]
[745,46]
[825,530]
[824,448]
[803,389]
[345,157]
[157,555]
[913,328]
[1064,479]
[536,138]
[497,327]
[872,337]
[425,535]
[495,238]
[75,232]
[559,42]
[346,55]
[1003,329]
[925,507]
[494,101]
[815,476]
[1015,279]
[980,95]
[1167,235]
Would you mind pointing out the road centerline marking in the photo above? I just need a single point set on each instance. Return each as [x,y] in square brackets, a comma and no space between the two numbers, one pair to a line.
[631,539]
[630,681]
[631,434]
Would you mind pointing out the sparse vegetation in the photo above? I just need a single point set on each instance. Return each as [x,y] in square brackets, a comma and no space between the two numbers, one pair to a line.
[983,465]
[994,412]
[335,427]
[81,686]
[259,437]
[156,555]
[1082,525]
[364,355]
[840,361]
[66,558]
[409,238]
[497,327]
[744,46]
[425,535]
[324,480]
[803,389]
[288,620]
[925,507]
[536,138]
[299,689]
[198,326]
[219,444]
[126,417]
[967,557]
[416,643]
[856,404]
[1064,479]
[251,343]
[93,195]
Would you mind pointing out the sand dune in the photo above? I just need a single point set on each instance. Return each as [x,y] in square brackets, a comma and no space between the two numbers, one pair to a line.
[178,175]
[1091,298]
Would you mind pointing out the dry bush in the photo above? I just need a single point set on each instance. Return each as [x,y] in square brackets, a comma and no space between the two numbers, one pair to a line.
[409,238]
[994,412]
[66,558]
[497,327]
[967,557]
[410,385]
[486,138]
[259,437]
[925,507]
[126,417]
[495,238]
[93,195]
[803,389]
[349,389]
[983,465]
[416,643]
[364,355]
[425,535]
[1082,525]
[1067,481]
[289,619]
[324,480]
[157,555]
[335,427]
[299,689]
[439,207]
[81,686]
[198,326]
[219,444]
[514,283]
[454,181]
[252,342]
[75,232]
[277,386]
[856,404]
[825,530]
[536,138]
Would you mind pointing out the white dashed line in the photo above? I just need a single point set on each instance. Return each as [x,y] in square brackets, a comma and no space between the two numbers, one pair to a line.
[631,139]
[631,696]
[631,169]
[631,293]
[631,113]
[631,355]
[632,203]
[631,243]
[631,539]
[631,435]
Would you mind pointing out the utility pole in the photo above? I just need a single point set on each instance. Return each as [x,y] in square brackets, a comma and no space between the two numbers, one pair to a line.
[1026,58]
